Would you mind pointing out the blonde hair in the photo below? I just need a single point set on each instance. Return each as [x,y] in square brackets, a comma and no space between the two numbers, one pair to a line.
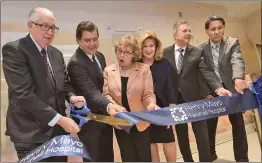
[131,41]
[158,44]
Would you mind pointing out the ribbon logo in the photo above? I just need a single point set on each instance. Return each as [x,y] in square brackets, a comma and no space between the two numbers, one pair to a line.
[178,114]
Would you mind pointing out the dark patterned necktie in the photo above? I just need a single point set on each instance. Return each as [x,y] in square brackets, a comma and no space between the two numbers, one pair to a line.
[43,51]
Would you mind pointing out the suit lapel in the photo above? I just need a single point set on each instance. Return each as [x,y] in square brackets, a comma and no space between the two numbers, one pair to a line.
[133,74]
[37,55]
[116,75]
[54,67]
[84,56]
[102,67]
[35,52]
[90,65]
[101,61]
[171,57]
[223,46]
[209,53]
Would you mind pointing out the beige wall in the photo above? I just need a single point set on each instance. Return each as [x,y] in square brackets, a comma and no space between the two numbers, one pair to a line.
[253,27]
[156,16]
[253,30]
[250,58]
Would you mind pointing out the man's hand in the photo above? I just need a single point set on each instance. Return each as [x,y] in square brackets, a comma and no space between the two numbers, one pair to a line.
[223,92]
[68,125]
[240,85]
[119,108]
[209,97]
[78,101]
[152,106]
[113,109]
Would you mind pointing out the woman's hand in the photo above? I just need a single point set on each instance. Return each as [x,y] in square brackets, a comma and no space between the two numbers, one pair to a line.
[152,106]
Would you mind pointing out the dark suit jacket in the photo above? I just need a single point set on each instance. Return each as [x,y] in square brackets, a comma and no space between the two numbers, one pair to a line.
[187,81]
[163,82]
[88,82]
[231,63]
[34,97]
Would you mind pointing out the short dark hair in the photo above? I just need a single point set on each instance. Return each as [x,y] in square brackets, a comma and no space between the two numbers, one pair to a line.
[85,26]
[214,18]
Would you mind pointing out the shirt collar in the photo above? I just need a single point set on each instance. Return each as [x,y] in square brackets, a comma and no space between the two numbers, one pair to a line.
[89,55]
[177,47]
[217,44]
[37,45]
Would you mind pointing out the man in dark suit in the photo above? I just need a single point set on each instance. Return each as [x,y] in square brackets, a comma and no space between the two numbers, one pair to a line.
[224,56]
[37,86]
[85,70]
[187,64]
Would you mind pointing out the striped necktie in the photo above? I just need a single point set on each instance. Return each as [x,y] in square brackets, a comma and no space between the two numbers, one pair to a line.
[215,52]
[180,60]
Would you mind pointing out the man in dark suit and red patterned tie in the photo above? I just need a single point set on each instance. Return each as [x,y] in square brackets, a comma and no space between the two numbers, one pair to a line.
[38,84]
[224,56]
[85,70]
[187,65]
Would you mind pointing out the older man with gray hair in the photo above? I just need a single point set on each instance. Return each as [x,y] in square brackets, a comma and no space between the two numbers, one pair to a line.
[37,87]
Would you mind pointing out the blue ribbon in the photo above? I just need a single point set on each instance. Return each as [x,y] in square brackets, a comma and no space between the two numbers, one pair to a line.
[193,111]
[183,113]
[64,145]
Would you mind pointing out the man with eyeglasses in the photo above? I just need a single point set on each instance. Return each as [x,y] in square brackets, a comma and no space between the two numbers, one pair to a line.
[37,87]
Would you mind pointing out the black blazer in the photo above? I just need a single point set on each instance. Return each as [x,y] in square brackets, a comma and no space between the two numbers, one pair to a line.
[163,82]
[193,65]
[88,82]
[34,96]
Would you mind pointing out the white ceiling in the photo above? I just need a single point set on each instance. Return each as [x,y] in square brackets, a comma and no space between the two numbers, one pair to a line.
[238,9]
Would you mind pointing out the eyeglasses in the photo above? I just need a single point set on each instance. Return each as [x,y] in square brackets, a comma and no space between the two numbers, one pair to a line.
[126,53]
[46,27]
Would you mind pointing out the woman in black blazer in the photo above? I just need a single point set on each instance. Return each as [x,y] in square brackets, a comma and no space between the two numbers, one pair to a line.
[152,55]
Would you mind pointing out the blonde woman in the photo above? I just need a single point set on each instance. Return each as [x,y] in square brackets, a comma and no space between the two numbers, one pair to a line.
[152,55]
[129,84]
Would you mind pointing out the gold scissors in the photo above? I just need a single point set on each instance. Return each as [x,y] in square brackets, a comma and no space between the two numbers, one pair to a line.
[108,119]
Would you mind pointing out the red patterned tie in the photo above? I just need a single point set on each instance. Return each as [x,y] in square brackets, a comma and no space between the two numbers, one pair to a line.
[43,51]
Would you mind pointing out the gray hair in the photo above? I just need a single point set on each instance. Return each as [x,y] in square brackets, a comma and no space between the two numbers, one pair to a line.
[177,25]
[34,14]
